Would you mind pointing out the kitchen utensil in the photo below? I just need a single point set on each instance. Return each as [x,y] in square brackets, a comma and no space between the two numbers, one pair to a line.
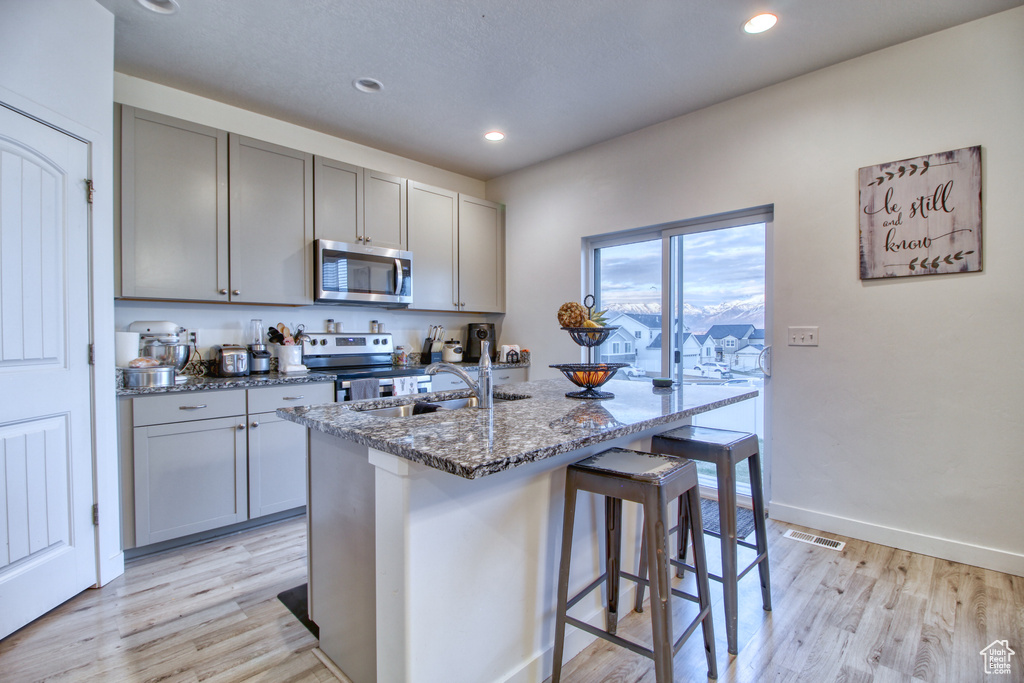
[159,376]
[275,336]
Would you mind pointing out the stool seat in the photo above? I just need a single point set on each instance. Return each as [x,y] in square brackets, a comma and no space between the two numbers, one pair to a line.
[726,449]
[651,480]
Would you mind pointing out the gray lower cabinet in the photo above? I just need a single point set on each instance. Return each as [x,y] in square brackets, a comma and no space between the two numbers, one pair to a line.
[508,375]
[189,477]
[203,460]
[459,246]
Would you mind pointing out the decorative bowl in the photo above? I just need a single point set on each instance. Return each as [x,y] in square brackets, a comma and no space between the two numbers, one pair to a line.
[589,376]
[590,336]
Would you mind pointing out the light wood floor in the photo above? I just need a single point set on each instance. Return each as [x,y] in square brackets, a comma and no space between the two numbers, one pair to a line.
[210,613]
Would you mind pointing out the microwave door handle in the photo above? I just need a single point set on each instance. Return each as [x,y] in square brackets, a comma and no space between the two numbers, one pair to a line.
[398,277]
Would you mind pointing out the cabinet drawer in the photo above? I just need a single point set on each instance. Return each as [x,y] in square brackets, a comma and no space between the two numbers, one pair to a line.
[189,405]
[268,399]
[508,375]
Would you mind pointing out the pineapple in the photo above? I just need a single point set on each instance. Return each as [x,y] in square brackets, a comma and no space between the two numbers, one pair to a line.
[572,314]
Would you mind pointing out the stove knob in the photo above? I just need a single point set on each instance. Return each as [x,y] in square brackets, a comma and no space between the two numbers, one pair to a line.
[376,340]
[323,342]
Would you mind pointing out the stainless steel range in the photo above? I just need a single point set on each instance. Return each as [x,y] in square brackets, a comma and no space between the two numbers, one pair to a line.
[352,358]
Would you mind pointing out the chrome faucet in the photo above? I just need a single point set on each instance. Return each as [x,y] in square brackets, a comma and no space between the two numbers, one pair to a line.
[482,386]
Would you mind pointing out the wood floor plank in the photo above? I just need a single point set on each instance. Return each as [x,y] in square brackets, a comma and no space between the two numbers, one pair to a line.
[209,614]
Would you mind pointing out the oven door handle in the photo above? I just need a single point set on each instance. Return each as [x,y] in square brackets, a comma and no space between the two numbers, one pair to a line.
[398,276]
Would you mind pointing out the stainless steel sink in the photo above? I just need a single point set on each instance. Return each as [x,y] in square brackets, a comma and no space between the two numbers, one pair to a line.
[406,410]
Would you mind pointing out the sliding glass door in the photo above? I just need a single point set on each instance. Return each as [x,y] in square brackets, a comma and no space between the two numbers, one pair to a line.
[690,303]
[717,299]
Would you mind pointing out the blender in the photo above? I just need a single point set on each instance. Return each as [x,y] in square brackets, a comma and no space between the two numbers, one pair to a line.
[259,357]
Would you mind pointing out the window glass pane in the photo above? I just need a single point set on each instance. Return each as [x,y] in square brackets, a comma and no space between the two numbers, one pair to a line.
[627,284]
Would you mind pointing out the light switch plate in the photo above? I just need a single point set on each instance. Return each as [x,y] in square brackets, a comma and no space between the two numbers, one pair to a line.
[803,336]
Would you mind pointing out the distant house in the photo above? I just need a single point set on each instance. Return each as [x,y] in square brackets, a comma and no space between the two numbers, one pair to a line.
[746,358]
[730,340]
[637,331]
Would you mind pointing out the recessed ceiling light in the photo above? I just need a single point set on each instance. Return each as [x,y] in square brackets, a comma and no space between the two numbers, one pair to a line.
[160,6]
[368,85]
[760,23]
[494,136]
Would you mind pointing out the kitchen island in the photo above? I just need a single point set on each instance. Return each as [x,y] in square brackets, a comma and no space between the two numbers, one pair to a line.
[433,538]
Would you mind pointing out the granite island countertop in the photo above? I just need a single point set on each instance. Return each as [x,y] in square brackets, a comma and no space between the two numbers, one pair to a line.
[535,421]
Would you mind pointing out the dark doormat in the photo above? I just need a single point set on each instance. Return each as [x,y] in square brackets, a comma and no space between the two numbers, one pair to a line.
[709,514]
[295,599]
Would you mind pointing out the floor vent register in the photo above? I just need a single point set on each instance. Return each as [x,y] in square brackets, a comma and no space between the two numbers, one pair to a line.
[815,540]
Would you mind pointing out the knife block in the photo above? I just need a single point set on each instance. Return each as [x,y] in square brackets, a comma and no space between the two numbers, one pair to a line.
[428,354]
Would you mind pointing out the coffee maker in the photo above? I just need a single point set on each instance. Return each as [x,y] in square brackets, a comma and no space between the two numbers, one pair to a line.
[476,333]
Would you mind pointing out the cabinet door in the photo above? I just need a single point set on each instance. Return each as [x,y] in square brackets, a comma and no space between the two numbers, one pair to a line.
[174,208]
[337,200]
[271,214]
[189,477]
[277,464]
[481,256]
[433,240]
[384,210]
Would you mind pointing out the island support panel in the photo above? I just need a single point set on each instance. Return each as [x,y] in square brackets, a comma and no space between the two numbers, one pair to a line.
[446,578]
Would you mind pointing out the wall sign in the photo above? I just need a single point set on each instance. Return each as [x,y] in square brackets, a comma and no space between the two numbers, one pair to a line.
[921,216]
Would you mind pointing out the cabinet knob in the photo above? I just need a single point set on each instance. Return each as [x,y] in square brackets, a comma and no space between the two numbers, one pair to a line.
[223,291]
[235,292]
[462,303]
[359,238]
[255,425]
[240,427]
[368,240]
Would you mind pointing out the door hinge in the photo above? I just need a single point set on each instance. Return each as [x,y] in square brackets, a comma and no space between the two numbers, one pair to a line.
[95,514]
[92,354]
[90,190]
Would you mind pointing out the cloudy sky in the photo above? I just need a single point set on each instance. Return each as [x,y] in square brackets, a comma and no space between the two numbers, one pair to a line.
[718,266]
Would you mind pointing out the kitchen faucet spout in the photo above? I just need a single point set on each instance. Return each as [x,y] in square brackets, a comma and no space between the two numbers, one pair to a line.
[482,387]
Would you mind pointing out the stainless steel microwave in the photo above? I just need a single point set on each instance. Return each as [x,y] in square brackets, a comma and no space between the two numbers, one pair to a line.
[347,273]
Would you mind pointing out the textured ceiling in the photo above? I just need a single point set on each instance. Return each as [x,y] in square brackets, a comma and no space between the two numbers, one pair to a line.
[555,75]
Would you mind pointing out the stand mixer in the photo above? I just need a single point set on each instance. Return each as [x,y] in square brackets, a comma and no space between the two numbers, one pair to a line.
[161,339]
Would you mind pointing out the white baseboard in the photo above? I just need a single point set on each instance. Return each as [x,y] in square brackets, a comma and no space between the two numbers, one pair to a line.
[944,548]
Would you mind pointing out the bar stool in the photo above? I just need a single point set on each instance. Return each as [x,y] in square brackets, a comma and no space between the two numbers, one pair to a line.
[651,480]
[725,449]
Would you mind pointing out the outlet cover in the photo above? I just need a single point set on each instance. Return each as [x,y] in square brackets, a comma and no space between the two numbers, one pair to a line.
[803,336]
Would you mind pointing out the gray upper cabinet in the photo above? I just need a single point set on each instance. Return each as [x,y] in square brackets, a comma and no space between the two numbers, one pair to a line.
[481,256]
[458,245]
[384,210]
[174,208]
[337,200]
[433,240]
[271,213]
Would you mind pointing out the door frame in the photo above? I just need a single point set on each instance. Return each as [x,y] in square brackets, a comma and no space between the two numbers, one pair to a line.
[665,232]
[100,257]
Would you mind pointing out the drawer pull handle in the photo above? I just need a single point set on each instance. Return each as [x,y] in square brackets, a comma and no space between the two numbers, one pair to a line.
[198,407]
[293,398]
[505,377]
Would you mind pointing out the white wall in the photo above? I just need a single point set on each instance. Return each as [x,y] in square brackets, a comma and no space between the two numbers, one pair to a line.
[887,431]
[57,64]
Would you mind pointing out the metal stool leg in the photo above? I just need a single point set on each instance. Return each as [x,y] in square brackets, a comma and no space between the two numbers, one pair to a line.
[568,519]
[613,551]
[638,606]
[760,533]
[683,527]
[727,519]
[700,563]
[661,590]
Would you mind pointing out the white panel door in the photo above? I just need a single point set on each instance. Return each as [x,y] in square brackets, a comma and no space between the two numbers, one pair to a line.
[47,542]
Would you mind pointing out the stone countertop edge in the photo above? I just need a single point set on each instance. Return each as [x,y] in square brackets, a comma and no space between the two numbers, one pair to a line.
[197,383]
[217,383]
[472,443]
